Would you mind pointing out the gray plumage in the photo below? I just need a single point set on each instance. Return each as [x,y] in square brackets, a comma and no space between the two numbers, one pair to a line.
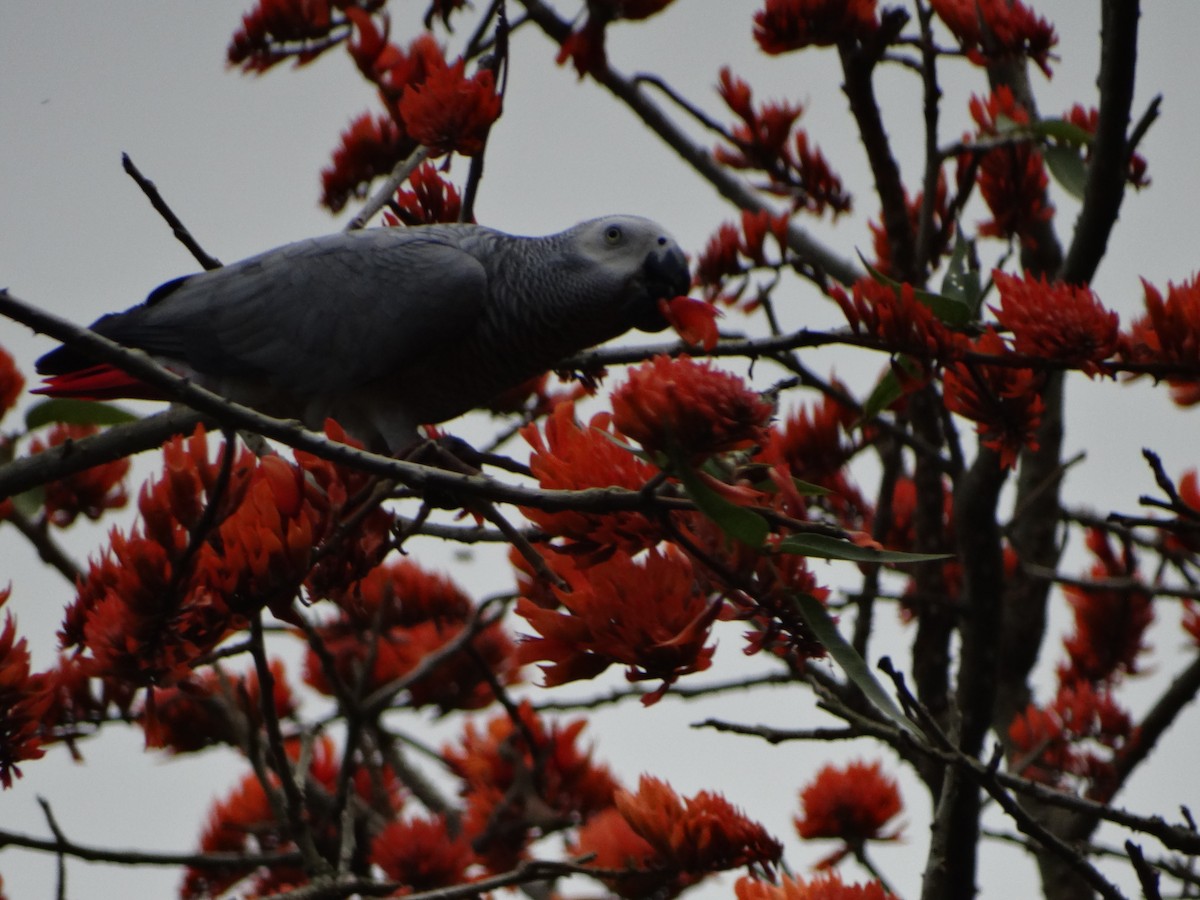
[390,328]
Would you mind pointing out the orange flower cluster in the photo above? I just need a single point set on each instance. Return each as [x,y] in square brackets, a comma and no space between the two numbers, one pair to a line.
[428,101]
[1061,322]
[449,112]
[1012,178]
[997,30]
[1004,402]
[211,708]
[612,844]
[852,804]
[279,30]
[1110,625]
[723,256]
[584,47]
[827,886]
[419,853]
[432,200]
[1080,734]
[22,706]
[89,492]
[369,148]
[648,615]
[212,550]
[411,613]
[514,791]
[899,320]
[697,835]
[783,25]
[768,140]
[688,410]
[567,456]
[1169,333]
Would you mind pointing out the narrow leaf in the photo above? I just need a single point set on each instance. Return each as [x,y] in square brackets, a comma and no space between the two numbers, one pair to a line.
[1063,131]
[29,503]
[817,618]
[737,522]
[824,547]
[1068,168]
[76,412]
[962,275]
[886,392]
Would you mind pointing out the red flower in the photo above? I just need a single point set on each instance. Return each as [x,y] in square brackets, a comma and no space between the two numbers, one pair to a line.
[688,410]
[768,140]
[942,229]
[853,804]
[702,834]
[1110,624]
[1061,321]
[511,789]
[12,382]
[722,257]
[784,25]
[22,704]
[209,709]
[613,844]
[693,320]
[1004,401]
[420,854]
[1012,178]
[569,457]
[450,113]
[1169,333]
[432,199]
[370,147]
[277,30]
[899,320]
[827,886]
[995,30]
[1078,735]
[648,616]
[89,492]
[413,613]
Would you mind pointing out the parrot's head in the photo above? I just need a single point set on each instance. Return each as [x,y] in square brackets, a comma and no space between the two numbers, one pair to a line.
[645,263]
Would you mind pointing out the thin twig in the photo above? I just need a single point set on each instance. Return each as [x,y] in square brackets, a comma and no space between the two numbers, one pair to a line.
[160,205]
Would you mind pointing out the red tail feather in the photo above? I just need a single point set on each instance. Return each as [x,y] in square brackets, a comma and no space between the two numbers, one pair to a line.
[100,382]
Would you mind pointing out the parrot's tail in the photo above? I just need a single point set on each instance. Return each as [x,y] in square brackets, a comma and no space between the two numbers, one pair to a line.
[98,382]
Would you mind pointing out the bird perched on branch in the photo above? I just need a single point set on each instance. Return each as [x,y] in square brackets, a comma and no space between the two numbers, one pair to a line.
[390,328]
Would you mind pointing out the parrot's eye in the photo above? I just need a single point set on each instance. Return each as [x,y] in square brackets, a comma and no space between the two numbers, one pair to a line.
[612,234]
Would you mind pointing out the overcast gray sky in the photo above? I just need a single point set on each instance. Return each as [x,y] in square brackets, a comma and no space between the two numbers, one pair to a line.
[238,158]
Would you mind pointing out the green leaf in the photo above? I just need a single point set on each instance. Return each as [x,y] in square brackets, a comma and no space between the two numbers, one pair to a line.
[76,412]
[737,522]
[825,547]
[1068,168]
[1062,131]
[947,309]
[29,503]
[817,618]
[962,282]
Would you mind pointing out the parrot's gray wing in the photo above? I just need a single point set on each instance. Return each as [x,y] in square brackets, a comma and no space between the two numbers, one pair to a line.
[323,315]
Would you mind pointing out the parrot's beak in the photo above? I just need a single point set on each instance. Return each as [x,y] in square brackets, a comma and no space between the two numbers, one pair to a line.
[666,276]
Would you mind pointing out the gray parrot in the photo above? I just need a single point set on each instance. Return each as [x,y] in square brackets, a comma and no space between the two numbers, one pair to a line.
[390,328]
